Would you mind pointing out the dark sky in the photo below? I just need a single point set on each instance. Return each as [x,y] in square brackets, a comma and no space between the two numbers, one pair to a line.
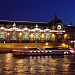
[38,10]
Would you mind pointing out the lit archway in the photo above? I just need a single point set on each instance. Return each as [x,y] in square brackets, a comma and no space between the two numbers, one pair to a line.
[14,38]
[37,37]
[2,37]
[47,36]
[25,37]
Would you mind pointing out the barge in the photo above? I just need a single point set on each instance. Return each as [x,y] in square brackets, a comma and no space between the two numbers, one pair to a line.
[38,51]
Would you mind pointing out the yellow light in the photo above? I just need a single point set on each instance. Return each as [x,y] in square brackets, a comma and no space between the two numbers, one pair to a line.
[31,35]
[42,36]
[53,36]
[4,42]
[46,44]
[20,34]
[8,33]
[64,45]
[25,47]
[65,36]
[71,41]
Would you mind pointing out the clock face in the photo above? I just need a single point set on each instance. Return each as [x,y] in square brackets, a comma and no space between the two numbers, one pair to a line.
[59,27]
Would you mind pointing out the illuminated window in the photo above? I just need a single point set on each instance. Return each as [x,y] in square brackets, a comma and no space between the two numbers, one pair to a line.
[26,37]
[2,37]
[20,34]
[37,36]
[14,37]
[47,36]
[53,37]
[31,37]
[42,36]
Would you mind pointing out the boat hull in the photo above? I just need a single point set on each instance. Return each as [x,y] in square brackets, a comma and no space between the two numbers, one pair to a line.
[40,52]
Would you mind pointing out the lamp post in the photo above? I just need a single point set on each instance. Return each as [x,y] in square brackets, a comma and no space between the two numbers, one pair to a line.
[73,43]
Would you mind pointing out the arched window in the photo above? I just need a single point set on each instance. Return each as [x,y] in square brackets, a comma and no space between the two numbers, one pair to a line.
[14,37]
[26,37]
[37,36]
[47,36]
[2,37]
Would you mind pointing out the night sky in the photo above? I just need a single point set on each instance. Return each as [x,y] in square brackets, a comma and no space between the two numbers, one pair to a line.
[38,10]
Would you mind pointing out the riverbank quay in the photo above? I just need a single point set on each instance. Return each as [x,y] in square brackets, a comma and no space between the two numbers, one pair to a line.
[9,50]
[8,47]
[24,45]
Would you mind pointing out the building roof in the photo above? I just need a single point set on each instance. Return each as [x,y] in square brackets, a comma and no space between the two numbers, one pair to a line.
[54,21]
[41,24]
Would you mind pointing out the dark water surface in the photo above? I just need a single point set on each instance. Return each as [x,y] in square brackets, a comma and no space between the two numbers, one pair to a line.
[37,65]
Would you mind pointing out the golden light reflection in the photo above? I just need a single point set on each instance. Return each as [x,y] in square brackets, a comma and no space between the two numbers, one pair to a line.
[20,61]
[8,57]
[8,62]
[19,67]
[65,64]
[32,65]
[53,64]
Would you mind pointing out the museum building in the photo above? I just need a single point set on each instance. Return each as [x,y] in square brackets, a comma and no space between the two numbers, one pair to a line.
[54,32]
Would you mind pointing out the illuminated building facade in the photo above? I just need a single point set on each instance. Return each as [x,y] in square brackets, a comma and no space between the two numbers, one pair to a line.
[54,32]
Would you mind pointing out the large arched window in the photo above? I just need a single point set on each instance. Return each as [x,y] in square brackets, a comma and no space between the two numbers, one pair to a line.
[47,36]
[37,36]
[14,37]
[2,37]
[25,37]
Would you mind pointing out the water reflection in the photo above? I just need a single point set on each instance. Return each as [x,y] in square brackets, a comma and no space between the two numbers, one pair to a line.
[6,64]
[37,65]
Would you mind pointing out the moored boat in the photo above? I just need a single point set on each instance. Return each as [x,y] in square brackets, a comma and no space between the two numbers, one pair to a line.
[38,51]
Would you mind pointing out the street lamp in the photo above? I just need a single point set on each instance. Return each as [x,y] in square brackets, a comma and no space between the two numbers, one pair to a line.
[73,42]
[47,44]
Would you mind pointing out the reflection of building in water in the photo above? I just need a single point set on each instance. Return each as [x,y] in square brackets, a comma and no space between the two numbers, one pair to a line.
[53,32]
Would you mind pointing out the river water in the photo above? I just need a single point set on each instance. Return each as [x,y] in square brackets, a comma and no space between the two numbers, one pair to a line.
[37,65]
